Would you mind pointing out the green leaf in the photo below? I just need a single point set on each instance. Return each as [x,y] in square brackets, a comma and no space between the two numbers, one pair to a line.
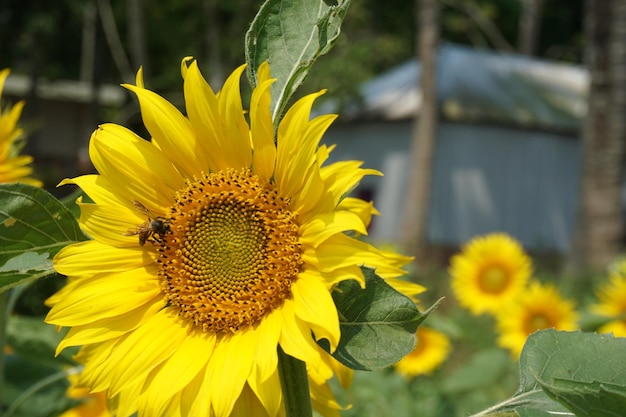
[583,371]
[291,35]
[378,323]
[32,339]
[34,226]
[569,374]
[33,390]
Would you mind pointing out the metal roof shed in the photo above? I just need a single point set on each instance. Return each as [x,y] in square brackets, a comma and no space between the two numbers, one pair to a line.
[507,155]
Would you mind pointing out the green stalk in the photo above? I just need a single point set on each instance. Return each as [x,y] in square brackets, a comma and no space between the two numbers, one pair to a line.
[295,385]
[4,317]
[24,396]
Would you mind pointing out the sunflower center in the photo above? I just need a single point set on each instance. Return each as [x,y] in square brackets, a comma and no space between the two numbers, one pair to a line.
[494,279]
[536,322]
[232,251]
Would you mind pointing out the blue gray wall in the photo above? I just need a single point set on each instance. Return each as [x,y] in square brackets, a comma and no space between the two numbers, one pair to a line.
[486,179]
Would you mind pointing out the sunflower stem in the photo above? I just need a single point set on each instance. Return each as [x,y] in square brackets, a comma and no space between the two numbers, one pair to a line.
[295,385]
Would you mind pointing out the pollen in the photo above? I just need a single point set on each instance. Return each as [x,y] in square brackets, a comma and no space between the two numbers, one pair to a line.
[232,251]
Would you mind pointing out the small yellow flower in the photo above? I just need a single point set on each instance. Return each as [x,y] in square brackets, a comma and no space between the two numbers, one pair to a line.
[489,272]
[539,307]
[612,303]
[180,306]
[431,351]
[13,167]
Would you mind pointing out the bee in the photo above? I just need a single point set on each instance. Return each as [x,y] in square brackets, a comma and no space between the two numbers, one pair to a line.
[155,225]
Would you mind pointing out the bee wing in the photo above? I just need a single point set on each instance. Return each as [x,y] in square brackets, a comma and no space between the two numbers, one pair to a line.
[142,208]
[133,231]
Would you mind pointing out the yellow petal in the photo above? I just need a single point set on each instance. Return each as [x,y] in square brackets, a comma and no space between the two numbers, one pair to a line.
[141,171]
[107,295]
[291,133]
[303,165]
[364,209]
[314,305]
[171,130]
[296,339]
[266,357]
[94,360]
[343,177]
[3,77]
[409,289]
[262,131]
[93,257]
[229,369]
[110,328]
[146,347]
[316,230]
[341,251]
[178,371]
[249,405]
[268,392]
[195,398]
[203,113]
[235,145]
[109,224]
[99,189]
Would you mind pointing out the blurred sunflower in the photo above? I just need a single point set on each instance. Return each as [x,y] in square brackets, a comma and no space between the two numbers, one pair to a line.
[13,167]
[612,303]
[212,245]
[430,352]
[91,405]
[489,272]
[539,307]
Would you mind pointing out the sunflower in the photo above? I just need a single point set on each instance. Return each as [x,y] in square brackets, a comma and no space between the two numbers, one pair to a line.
[489,272]
[92,405]
[612,303]
[212,246]
[539,307]
[13,167]
[431,351]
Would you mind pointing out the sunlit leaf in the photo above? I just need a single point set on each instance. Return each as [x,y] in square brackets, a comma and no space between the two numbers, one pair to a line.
[569,374]
[378,323]
[291,35]
[583,371]
[34,226]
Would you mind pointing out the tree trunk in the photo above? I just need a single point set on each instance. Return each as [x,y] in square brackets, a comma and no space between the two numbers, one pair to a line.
[600,233]
[137,37]
[424,132]
[112,36]
[213,43]
[529,26]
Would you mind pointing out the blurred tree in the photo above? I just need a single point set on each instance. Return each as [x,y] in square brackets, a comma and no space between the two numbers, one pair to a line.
[482,30]
[415,223]
[376,36]
[529,26]
[137,36]
[112,34]
[600,230]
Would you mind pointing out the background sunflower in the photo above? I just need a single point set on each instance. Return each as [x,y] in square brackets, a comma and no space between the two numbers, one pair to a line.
[489,272]
[540,306]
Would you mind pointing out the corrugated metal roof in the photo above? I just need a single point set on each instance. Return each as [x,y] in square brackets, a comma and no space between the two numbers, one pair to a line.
[64,90]
[477,85]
